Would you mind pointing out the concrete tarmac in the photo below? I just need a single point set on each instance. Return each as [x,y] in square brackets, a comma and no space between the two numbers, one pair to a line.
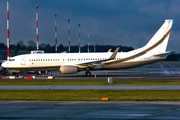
[79,110]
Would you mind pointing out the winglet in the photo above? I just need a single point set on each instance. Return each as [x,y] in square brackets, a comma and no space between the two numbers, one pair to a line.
[113,56]
[109,50]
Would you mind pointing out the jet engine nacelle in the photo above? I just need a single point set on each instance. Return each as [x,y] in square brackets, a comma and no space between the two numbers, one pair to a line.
[68,69]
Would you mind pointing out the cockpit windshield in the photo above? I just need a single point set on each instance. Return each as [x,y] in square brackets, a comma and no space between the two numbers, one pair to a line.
[11,59]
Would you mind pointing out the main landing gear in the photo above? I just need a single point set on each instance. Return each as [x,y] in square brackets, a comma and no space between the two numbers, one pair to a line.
[88,73]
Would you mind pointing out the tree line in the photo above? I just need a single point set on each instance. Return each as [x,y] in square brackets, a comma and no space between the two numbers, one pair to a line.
[47,48]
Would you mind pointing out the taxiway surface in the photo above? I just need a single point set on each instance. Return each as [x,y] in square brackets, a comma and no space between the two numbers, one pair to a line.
[89,110]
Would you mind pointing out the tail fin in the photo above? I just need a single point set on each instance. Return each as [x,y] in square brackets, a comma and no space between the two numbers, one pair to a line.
[165,29]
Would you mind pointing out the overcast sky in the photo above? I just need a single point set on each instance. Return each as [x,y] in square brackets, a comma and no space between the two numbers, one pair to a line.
[114,22]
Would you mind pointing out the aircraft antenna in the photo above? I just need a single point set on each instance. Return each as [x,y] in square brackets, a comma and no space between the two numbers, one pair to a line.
[88,41]
[55,32]
[79,38]
[37,24]
[94,48]
[8,30]
[69,33]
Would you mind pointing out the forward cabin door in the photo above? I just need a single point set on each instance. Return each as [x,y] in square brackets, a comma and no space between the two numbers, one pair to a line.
[23,60]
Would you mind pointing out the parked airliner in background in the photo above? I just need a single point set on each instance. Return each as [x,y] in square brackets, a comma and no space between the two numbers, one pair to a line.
[69,63]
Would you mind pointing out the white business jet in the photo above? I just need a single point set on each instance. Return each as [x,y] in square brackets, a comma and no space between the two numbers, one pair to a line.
[69,63]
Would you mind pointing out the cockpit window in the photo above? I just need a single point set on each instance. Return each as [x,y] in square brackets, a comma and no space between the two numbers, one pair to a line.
[11,59]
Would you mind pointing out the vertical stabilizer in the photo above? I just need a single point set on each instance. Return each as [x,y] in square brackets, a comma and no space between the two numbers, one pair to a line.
[162,33]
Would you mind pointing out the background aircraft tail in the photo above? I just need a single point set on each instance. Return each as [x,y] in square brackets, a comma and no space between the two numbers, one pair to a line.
[164,31]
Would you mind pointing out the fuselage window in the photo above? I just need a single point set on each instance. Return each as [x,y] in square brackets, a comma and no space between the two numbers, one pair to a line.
[29,59]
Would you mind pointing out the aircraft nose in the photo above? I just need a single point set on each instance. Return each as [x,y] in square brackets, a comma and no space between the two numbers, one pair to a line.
[3,64]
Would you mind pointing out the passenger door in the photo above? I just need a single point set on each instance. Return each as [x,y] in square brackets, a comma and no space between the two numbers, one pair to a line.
[23,60]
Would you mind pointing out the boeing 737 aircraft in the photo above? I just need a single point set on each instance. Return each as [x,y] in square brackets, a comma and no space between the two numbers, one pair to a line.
[69,63]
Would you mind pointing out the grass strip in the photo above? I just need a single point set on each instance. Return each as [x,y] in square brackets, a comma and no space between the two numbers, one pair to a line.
[91,95]
[88,82]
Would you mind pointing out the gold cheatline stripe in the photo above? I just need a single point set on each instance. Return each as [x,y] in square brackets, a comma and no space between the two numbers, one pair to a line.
[143,52]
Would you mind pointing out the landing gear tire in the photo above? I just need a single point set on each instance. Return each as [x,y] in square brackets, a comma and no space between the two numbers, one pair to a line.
[88,73]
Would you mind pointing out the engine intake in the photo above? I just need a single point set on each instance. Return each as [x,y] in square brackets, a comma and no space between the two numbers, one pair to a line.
[68,69]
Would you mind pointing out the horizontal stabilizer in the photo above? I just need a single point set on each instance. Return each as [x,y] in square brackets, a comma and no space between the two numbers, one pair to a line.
[164,54]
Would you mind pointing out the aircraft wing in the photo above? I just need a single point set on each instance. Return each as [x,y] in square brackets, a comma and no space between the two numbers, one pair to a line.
[98,63]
